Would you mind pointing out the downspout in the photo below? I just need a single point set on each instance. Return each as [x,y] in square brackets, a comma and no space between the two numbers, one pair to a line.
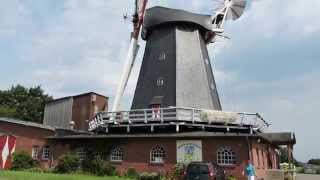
[249,148]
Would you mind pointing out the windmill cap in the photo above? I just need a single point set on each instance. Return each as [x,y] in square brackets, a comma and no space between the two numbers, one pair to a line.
[158,16]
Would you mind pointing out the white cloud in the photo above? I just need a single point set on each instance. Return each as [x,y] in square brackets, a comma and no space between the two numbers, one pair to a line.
[13,16]
[288,104]
[293,18]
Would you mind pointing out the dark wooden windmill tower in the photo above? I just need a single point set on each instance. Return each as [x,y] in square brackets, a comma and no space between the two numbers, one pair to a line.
[176,69]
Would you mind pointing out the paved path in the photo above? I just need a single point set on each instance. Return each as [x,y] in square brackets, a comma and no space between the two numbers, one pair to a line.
[308,177]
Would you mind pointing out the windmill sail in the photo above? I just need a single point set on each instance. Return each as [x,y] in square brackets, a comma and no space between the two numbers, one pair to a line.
[236,9]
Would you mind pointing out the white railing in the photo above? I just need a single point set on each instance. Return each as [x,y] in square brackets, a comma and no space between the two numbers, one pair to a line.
[176,114]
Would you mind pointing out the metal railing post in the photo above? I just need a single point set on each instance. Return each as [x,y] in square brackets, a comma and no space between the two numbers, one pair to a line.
[145,116]
[193,119]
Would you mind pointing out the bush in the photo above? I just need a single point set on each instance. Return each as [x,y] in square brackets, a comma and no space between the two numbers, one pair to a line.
[67,163]
[231,178]
[131,172]
[98,166]
[22,161]
[175,172]
[149,176]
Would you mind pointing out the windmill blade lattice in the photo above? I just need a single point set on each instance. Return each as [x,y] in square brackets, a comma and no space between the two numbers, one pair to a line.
[236,8]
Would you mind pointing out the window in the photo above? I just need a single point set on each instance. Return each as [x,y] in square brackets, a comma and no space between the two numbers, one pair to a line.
[226,156]
[96,109]
[82,154]
[156,111]
[116,154]
[157,155]
[160,82]
[35,152]
[45,152]
[162,56]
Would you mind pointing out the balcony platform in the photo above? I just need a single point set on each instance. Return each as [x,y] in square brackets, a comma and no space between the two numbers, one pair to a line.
[176,119]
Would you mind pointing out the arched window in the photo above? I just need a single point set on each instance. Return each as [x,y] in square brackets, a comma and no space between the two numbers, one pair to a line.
[116,154]
[157,155]
[226,156]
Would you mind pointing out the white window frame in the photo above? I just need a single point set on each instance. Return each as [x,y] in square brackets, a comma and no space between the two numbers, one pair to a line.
[45,152]
[116,154]
[160,82]
[162,56]
[82,154]
[35,152]
[226,156]
[157,155]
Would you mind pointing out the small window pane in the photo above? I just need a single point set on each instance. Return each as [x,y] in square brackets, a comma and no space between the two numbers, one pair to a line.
[116,154]
[226,156]
[82,154]
[35,152]
[157,155]
[45,152]
[160,82]
[162,56]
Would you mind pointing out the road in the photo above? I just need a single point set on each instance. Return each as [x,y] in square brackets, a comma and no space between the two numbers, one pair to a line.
[308,177]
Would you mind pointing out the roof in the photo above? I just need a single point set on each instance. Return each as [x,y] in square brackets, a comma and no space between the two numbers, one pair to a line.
[280,138]
[152,135]
[83,94]
[157,15]
[26,123]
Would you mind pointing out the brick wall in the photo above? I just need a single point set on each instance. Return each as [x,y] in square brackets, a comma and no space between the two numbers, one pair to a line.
[27,138]
[137,152]
[84,108]
[264,157]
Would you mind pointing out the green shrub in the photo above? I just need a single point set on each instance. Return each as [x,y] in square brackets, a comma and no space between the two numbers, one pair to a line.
[149,176]
[67,163]
[175,172]
[231,178]
[22,161]
[99,167]
[131,172]
[178,169]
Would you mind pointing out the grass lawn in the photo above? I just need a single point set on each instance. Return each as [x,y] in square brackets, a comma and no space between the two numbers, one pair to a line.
[20,175]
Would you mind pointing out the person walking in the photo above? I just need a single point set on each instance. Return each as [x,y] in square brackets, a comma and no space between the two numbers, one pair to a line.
[250,171]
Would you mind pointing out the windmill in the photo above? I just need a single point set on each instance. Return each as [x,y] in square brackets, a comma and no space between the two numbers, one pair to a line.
[205,27]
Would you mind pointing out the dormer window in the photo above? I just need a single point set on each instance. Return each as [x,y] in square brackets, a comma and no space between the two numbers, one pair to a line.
[162,56]
[160,82]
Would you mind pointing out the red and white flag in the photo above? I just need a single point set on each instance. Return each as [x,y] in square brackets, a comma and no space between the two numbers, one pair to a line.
[7,148]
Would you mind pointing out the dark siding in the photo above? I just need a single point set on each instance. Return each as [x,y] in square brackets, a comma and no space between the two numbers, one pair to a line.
[161,40]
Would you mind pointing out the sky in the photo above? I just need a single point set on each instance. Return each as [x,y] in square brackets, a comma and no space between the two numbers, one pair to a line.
[270,65]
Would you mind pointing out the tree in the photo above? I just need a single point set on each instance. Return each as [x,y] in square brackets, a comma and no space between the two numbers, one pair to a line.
[23,103]
[284,157]
[314,161]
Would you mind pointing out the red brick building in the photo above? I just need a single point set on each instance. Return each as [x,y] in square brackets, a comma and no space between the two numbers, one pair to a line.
[64,115]
[29,137]
[146,146]
[231,150]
